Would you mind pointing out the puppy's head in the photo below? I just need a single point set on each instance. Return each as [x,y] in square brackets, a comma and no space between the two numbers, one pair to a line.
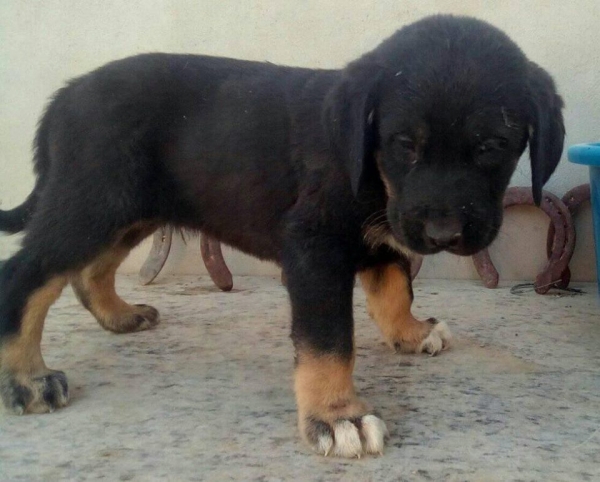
[442,112]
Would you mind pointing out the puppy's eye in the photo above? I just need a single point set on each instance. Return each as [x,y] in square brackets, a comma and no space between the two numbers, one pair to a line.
[491,145]
[404,149]
[405,142]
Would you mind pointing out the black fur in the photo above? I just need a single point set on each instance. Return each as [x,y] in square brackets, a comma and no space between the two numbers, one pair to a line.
[289,164]
[15,220]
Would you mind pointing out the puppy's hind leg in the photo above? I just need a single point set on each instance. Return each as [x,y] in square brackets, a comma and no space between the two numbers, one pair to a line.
[95,287]
[26,294]
[58,244]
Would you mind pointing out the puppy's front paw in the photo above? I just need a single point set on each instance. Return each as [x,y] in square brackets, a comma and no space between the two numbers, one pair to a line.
[415,336]
[346,437]
[331,417]
[438,338]
[35,394]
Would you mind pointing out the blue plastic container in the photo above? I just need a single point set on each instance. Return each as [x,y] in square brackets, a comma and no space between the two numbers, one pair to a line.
[589,154]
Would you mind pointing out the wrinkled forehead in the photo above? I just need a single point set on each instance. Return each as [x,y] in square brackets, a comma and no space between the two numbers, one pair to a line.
[428,108]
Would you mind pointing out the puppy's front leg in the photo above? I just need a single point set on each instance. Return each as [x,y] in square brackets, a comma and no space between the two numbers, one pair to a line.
[331,417]
[389,299]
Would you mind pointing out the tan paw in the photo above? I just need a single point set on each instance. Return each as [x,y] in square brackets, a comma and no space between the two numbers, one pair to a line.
[137,318]
[428,336]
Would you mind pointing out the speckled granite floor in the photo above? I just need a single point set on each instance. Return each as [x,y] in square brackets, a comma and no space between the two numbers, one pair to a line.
[207,395]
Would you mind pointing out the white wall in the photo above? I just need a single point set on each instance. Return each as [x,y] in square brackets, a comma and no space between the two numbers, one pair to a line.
[44,43]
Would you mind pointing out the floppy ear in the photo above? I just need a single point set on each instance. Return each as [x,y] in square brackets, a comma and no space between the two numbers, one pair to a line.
[350,119]
[547,131]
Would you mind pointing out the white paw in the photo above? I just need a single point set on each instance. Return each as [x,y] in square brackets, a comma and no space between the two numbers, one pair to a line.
[375,433]
[353,438]
[346,440]
[437,340]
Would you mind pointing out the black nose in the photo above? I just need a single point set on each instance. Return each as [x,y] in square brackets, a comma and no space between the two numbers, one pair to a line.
[443,232]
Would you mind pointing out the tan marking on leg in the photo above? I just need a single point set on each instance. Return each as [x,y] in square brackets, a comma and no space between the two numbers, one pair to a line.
[22,367]
[389,301]
[95,288]
[95,285]
[331,418]
[22,353]
[324,387]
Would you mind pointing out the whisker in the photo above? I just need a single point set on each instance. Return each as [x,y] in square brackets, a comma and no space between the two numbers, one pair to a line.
[376,215]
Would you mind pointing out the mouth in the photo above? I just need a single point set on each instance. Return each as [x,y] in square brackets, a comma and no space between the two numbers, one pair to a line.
[428,237]
[421,248]
[427,250]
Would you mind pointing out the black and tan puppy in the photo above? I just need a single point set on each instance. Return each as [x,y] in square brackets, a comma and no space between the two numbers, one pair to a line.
[328,172]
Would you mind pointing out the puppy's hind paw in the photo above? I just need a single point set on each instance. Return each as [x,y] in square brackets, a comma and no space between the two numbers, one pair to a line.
[39,394]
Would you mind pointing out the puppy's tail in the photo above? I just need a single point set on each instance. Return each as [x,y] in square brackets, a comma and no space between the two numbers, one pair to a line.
[16,219]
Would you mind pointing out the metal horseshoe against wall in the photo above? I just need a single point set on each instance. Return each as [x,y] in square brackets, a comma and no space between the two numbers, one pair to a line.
[210,250]
[573,199]
[561,245]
